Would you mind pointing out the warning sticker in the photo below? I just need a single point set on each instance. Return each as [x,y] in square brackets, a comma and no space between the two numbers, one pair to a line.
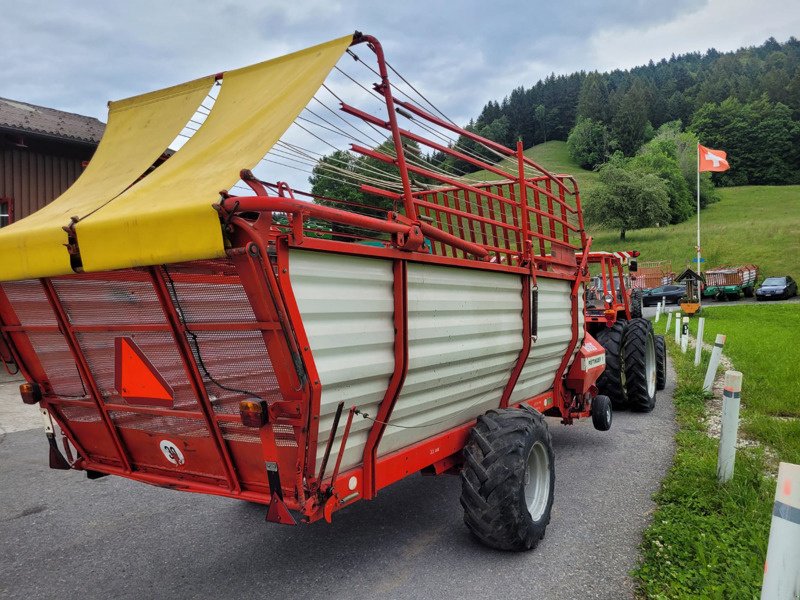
[136,379]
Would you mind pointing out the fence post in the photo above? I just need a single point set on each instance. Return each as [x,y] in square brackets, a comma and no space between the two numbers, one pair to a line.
[781,575]
[716,354]
[698,351]
[685,335]
[730,425]
[669,322]
[678,328]
[658,311]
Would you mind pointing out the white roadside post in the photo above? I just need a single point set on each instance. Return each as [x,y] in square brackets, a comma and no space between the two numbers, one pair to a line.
[698,351]
[669,322]
[663,303]
[730,425]
[781,572]
[716,354]
[685,335]
[658,311]
[678,328]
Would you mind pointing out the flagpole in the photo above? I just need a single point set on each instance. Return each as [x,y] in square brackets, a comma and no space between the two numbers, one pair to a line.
[699,269]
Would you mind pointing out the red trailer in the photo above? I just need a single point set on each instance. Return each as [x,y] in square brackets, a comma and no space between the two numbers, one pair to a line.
[242,344]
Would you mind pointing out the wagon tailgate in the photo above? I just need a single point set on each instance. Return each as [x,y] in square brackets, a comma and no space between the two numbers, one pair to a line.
[194,324]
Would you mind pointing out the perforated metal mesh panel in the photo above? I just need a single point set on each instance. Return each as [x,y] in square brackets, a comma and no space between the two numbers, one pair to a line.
[221,331]
[29,302]
[234,365]
[57,361]
[103,301]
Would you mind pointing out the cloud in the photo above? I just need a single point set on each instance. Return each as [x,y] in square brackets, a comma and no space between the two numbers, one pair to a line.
[75,56]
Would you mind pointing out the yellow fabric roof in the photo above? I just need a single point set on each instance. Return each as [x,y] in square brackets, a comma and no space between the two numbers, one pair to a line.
[167,216]
[139,130]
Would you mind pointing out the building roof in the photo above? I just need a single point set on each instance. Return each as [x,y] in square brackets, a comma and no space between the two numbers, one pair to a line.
[21,116]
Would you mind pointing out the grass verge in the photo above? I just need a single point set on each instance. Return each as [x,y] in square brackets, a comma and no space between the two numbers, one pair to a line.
[706,540]
[761,342]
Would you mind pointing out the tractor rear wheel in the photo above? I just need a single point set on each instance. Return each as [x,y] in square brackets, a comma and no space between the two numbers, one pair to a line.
[661,362]
[640,365]
[636,304]
[612,382]
[508,479]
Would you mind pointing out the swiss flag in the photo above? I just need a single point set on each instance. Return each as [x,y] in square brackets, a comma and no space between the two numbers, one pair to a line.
[712,160]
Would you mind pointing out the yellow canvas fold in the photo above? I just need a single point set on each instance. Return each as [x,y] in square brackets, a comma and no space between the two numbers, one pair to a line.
[139,130]
[168,216]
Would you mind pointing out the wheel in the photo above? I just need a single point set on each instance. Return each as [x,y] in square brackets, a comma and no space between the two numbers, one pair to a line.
[601,413]
[612,382]
[661,362]
[639,365]
[636,304]
[733,296]
[508,479]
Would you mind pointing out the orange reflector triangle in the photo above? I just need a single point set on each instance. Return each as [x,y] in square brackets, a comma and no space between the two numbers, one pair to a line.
[137,380]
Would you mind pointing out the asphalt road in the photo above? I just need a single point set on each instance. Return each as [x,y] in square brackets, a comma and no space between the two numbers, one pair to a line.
[62,536]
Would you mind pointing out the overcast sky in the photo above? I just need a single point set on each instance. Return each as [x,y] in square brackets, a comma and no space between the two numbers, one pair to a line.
[75,56]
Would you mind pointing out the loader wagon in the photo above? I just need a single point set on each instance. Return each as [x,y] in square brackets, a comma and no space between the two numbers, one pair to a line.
[730,283]
[201,329]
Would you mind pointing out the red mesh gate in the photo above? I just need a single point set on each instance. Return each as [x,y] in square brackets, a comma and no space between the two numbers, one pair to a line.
[195,325]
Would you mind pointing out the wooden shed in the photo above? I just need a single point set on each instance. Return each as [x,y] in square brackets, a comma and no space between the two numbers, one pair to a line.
[42,152]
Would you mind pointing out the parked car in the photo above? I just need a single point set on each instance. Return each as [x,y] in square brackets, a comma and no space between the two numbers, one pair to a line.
[777,288]
[673,293]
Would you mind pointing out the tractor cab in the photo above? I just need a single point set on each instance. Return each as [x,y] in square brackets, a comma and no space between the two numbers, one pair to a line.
[611,293]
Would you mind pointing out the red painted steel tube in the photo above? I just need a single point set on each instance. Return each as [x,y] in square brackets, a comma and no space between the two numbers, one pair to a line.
[425,141]
[523,198]
[468,134]
[385,88]
[400,290]
[526,343]
[193,372]
[276,204]
[85,371]
[576,286]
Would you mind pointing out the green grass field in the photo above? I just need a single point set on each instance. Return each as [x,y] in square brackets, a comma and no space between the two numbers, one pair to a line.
[752,224]
[705,540]
[708,540]
[762,343]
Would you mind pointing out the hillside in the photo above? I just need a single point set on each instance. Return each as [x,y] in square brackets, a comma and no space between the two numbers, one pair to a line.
[554,157]
[750,224]
[755,224]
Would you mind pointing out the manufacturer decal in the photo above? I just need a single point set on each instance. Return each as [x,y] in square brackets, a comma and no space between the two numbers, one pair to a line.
[171,452]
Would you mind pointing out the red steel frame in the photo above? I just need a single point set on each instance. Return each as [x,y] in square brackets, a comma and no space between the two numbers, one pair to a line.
[528,226]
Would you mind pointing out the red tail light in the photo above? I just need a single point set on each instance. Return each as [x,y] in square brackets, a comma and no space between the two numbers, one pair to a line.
[253,413]
[31,393]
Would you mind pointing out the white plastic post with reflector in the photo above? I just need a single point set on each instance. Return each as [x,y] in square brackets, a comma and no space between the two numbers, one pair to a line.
[136,379]
[782,567]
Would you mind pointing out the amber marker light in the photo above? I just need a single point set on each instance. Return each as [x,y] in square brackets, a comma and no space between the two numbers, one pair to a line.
[253,413]
[31,393]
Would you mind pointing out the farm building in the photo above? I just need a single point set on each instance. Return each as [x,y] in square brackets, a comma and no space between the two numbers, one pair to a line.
[42,152]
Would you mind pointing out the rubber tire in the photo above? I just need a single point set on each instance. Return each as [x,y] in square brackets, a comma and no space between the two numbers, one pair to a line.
[611,382]
[602,415]
[633,359]
[636,304]
[661,363]
[493,478]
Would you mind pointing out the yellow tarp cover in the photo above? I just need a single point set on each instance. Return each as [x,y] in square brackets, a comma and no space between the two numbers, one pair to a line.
[168,217]
[139,130]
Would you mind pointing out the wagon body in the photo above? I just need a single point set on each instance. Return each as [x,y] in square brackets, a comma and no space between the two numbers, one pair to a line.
[305,368]
[730,281]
